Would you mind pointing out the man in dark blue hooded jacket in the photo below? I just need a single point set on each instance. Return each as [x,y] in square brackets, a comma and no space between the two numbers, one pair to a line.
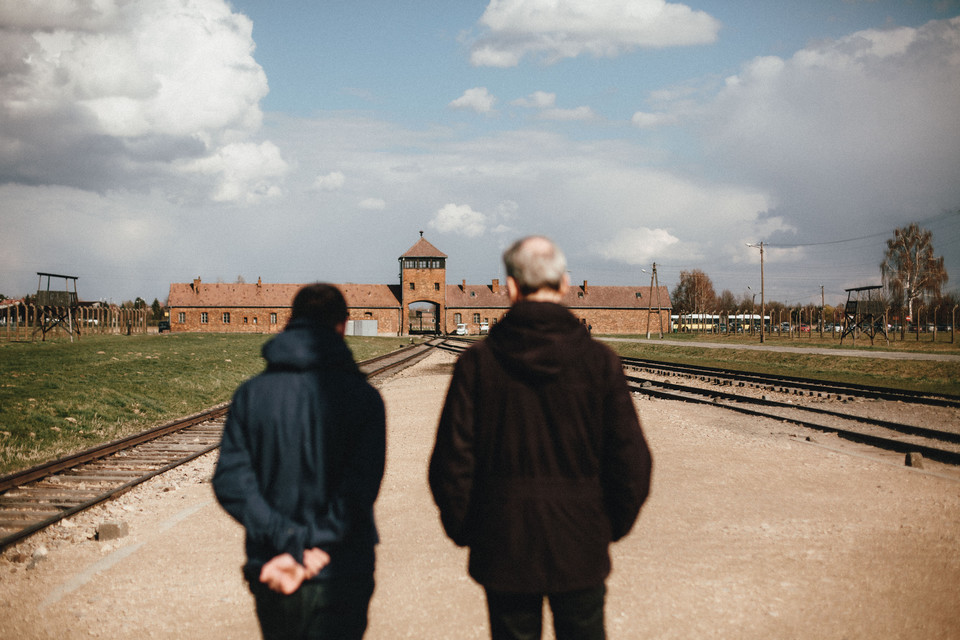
[300,467]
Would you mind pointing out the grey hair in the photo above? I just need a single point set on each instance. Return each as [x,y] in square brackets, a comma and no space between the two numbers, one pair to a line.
[535,263]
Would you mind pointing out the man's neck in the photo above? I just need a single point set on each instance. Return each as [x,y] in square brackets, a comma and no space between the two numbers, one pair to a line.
[543,295]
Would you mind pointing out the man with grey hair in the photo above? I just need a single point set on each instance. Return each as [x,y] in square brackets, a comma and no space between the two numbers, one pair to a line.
[540,461]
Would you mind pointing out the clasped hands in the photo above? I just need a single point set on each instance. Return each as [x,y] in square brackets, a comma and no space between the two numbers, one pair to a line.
[284,574]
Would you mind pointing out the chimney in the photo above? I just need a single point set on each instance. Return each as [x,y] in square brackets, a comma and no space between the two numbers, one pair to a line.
[463,287]
[496,285]
[196,285]
[259,282]
[584,286]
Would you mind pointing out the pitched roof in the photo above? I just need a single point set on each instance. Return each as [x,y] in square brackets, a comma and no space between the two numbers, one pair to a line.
[477,296]
[423,249]
[371,295]
[261,294]
[617,297]
[578,297]
[231,294]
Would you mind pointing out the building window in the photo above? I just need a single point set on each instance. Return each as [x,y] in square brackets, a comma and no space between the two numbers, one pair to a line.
[457,318]
[436,286]
[226,317]
[413,285]
[182,317]
[203,317]
[476,318]
[273,318]
[254,319]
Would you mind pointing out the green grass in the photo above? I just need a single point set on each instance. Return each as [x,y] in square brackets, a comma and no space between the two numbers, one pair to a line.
[58,397]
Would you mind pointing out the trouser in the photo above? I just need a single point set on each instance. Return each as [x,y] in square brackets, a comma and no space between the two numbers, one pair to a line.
[333,609]
[577,615]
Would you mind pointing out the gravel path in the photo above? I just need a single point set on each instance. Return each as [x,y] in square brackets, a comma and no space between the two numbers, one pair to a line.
[751,532]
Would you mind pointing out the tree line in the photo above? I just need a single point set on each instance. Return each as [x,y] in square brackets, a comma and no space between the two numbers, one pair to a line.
[913,279]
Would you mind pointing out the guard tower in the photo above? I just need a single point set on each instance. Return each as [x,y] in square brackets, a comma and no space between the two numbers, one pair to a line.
[57,309]
[423,287]
[864,313]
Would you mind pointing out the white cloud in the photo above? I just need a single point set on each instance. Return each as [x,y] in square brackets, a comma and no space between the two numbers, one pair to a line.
[372,204]
[652,120]
[848,129]
[114,94]
[537,100]
[557,29]
[568,115]
[333,181]
[459,219]
[243,172]
[477,99]
[638,245]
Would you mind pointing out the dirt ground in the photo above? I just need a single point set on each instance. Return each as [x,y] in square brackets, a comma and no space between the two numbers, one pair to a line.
[752,531]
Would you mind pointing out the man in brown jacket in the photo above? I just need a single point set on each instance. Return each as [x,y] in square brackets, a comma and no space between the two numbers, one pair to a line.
[539,462]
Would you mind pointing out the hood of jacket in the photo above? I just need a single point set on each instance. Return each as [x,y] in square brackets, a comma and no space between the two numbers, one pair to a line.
[536,340]
[301,346]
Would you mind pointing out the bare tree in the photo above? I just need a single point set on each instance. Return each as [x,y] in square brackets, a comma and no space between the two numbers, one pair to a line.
[694,293]
[727,302]
[909,268]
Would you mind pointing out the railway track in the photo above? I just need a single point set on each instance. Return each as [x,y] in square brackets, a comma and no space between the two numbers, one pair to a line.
[852,412]
[780,382]
[41,496]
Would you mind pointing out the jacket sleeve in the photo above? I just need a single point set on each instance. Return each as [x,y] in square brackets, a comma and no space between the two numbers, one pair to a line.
[452,463]
[235,485]
[627,463]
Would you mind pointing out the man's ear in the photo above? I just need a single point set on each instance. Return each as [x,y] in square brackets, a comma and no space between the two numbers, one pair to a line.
[564,284]
[513,290]
[341,329]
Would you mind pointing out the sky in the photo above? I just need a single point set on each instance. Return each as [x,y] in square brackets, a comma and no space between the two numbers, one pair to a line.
[147,142]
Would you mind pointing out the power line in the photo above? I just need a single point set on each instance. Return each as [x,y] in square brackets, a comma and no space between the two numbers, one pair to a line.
[869,237]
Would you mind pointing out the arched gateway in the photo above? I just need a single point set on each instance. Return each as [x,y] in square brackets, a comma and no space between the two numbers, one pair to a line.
[423,286]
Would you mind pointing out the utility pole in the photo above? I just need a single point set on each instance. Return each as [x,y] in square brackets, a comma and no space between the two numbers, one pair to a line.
[654,279]
[763,306]
[822,305]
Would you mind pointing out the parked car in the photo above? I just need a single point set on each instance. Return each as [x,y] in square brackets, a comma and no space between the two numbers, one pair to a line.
[461,330]
[484,328]
[163,325]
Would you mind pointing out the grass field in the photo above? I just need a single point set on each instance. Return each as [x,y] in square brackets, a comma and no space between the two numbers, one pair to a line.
[57,397]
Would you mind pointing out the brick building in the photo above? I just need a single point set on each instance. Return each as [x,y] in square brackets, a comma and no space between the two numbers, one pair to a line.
[423,302]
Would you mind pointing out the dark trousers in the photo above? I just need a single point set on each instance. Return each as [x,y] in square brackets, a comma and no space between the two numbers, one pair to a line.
[577,615]
[334,609]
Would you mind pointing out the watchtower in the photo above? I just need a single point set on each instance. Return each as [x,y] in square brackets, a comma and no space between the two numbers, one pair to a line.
[423,286]
[57,309]
[864,313]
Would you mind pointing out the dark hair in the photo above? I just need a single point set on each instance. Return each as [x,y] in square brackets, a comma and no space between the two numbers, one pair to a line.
[321,304]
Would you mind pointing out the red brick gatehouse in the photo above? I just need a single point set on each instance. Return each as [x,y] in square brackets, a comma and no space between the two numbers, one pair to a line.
[423,302]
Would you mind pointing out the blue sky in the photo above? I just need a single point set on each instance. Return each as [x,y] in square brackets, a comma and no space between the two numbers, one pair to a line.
[144,143]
